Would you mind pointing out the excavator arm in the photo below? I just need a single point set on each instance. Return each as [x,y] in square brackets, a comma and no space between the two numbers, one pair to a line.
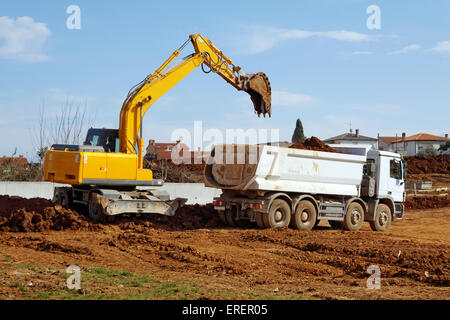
[144,94]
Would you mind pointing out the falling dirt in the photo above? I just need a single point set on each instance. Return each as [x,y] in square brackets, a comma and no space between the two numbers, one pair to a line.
[428,164]
[312,143]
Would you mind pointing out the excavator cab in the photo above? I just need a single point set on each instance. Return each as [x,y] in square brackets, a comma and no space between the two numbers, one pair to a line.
[106,138]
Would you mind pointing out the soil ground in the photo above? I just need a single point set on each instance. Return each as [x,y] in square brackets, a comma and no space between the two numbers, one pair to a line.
[151,259]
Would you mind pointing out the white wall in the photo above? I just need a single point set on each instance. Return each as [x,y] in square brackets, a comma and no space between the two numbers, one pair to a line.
[194,192]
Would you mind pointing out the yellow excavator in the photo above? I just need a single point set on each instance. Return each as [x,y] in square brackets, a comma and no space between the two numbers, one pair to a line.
[105,173]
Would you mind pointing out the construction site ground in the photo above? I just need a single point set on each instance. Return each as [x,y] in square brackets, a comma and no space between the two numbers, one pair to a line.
[159,258]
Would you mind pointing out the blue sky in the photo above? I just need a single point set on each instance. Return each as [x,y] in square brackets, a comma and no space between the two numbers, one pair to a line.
[325,66]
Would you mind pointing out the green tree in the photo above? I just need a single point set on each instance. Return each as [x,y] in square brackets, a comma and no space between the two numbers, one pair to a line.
[429,151]
[444,146]
[298,132]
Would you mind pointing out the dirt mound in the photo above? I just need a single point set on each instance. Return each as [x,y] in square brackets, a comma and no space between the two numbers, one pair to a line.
[313,143]
[37,215]
[186,217]
[428,164]
[427,202]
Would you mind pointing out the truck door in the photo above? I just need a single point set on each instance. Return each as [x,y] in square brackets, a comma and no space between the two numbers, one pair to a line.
[395,184]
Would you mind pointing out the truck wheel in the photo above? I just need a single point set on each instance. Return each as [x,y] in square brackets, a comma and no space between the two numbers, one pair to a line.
[279,214]
[354,217]
[335,224]
[383,218]
[95,208]
[64,199]
[259,220]
[305,216]
[229,217]
[222,217]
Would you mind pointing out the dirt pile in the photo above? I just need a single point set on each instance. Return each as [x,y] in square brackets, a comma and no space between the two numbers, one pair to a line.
[313,143]
[37,215]
[428,164]
[427,202]
[186,218]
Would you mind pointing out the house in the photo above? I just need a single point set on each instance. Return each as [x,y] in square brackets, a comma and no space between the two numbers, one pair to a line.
[176,151]
[352,138]
[385,143]
[410,146]
[18,161]
[163,150]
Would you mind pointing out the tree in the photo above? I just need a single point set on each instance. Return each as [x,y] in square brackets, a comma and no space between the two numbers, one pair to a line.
[298,132]
[428,151]
[66,125]
[444,146]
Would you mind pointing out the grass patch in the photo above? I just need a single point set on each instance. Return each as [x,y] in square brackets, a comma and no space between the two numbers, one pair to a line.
[99,283]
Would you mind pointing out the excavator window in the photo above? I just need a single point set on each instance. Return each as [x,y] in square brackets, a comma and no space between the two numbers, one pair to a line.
[106,138]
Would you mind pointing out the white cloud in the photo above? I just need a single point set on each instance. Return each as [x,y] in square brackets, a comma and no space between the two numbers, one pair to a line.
[23,39]
[260,39]
[441,47]
[406,49]
[358,53]
[289,99]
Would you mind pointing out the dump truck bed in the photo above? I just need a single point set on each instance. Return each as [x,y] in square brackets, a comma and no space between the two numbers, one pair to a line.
[274,168]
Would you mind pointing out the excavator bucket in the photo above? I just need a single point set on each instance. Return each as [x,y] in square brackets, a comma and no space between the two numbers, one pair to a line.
[258,87]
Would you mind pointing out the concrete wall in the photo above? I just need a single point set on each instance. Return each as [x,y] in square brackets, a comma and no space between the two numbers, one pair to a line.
[194,192]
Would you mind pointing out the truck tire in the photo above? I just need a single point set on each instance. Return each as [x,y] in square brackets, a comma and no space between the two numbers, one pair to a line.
[229,217]
[96,209]
[383,218]
[279,214]
[259,220]
[354,217]
[305,216]
[222,217]
[64,199]
[335,224]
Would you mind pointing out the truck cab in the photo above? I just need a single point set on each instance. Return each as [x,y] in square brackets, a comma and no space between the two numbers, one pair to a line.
[390,175]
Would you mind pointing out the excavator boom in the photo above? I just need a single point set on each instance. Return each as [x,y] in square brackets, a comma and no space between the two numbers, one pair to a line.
[103,175]
[143,95]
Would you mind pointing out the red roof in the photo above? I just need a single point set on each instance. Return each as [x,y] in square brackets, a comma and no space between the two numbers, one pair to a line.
[388,140]
[19,161]
[422,137]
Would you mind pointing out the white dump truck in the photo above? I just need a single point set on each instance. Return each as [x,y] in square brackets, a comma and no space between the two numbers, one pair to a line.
[276,187]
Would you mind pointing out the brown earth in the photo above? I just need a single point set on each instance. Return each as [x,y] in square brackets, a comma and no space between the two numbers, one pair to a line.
[27,215]
[194,246]
[428,164]
[427,202]
[313,143]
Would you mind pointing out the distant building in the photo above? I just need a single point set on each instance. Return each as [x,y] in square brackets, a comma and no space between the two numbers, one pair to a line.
[385,143]
[352,138]
[175,151]
[410,146]
[18,161]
